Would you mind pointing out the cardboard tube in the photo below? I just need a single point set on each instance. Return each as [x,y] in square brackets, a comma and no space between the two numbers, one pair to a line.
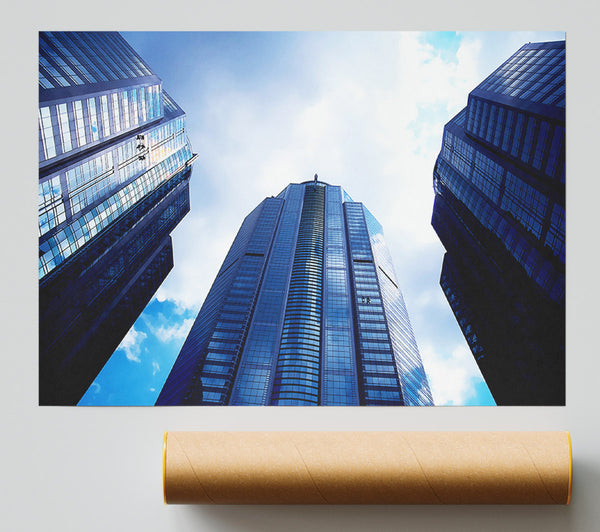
[367,467]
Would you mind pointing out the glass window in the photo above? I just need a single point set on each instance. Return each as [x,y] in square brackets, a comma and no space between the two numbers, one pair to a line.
[143,104]
[79,123]
[105,118]
[125,102]
[94,134]
[44,83]
[47,133]
[134,107]
[59,80]
[115,112]
[51,207]
[65,132]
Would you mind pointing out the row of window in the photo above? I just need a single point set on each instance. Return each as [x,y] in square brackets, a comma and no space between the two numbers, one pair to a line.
[480,170]
[506,230]
[51,205]
[525,203]
[65,242]
[521,200]
[531,140]
[74,124]
[94,178]
[555,238]
[77,58]
[534,75]
[223,348]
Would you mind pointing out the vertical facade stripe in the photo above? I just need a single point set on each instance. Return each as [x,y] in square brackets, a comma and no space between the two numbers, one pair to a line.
[339,374]
[379,383]
[299,361]
[254,378]
[206,366]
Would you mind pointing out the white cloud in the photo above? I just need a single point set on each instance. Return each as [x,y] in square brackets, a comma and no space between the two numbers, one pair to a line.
[453,376]
[177,331]
[131,344]
[155,367]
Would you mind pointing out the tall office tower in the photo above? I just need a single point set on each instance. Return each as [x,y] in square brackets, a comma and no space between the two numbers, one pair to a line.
[114,173]
[499,211]
[305,310]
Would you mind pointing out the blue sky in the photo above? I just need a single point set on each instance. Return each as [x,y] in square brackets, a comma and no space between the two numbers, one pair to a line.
[365,110]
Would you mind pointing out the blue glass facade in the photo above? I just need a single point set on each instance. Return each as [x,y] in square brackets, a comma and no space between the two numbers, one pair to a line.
[499,210]
[305,310]
[115,164]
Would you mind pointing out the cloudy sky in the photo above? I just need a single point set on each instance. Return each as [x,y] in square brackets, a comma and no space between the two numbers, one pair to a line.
[365,110]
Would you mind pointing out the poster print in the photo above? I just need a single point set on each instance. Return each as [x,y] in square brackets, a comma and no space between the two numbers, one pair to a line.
[212,211]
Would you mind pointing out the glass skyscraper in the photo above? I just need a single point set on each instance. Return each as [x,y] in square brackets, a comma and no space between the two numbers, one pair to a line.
[499,211]
[114,173]
[305,310]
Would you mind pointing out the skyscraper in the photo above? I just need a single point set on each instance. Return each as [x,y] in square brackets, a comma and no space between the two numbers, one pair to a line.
[305,310]
[499,211]
[114,173]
